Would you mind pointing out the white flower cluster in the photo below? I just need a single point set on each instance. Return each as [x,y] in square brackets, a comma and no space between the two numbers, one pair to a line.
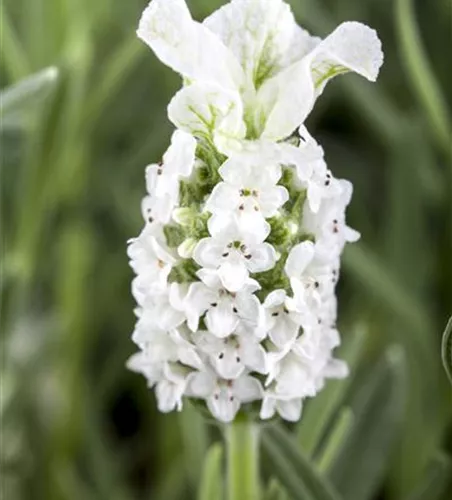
[237,265]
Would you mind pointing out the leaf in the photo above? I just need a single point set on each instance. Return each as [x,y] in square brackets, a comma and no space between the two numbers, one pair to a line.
[276,491]
[336,439]
[446,349]
[436,481]
[211,486]
[294,470]
[18,101]
[421,76]
[378,402]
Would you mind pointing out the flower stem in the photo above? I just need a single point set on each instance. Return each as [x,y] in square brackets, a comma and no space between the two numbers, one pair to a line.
[242,445]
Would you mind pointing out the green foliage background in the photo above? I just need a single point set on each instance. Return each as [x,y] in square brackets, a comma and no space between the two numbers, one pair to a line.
[75,423]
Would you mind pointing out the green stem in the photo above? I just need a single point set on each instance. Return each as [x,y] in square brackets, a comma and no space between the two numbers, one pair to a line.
[242,445]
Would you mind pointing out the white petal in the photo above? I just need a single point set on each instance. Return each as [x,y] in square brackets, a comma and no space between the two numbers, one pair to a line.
[263,258]
[206,110]
[268,408]
[286,100]
[351,47]
[275,299]
[299,258]
[259,32]
[253,355]
[223,407]
[228,363]
[168,396]
[198,300]
[247,389]
[180,157]
[208,253]
[187,46]
[201,384]
[284,331]
[290,409]
[252,226]
[220,319]
[273,199]
[210,278]
[224,198]
[315,195]
[233,275]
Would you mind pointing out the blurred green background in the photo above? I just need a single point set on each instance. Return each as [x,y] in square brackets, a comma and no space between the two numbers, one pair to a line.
[74,144]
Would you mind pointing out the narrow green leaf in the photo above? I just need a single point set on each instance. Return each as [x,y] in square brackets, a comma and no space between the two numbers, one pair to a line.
[12,52]
[17,101]
[362,262]
[212,484]
[275,491]
[420,73]
[283,469]
[294,470]
[378,402]
[446,349]
[437,479]
[336,440]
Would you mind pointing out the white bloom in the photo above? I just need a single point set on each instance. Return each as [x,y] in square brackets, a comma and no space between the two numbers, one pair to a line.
[328,224]
[310,268]
[224,397]
[233,257]
[208,111]
[249,193]
[231,210]
[162,180]
[225,311]
[281,321]
[255,48]
[288,408]
[152,263]
[232,355]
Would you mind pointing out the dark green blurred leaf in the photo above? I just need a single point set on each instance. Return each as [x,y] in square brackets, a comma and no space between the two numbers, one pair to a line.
[446,349]
[421,76]
[336,440]
[212,483]
[295,471]
[275,491]
[378,402]
[438,478]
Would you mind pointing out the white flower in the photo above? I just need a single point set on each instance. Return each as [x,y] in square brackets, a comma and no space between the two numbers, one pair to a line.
[164,311]
[160,347]
[250,194]
[328,224]
[162,180]
[310,268]
[255,49]
[281,321]
[232,355]
[233,257]
[208,111]
[288,408]
[151,262]
[224,397]
[225,311]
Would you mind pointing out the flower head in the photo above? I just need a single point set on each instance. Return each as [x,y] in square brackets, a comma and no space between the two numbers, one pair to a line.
[237,264]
